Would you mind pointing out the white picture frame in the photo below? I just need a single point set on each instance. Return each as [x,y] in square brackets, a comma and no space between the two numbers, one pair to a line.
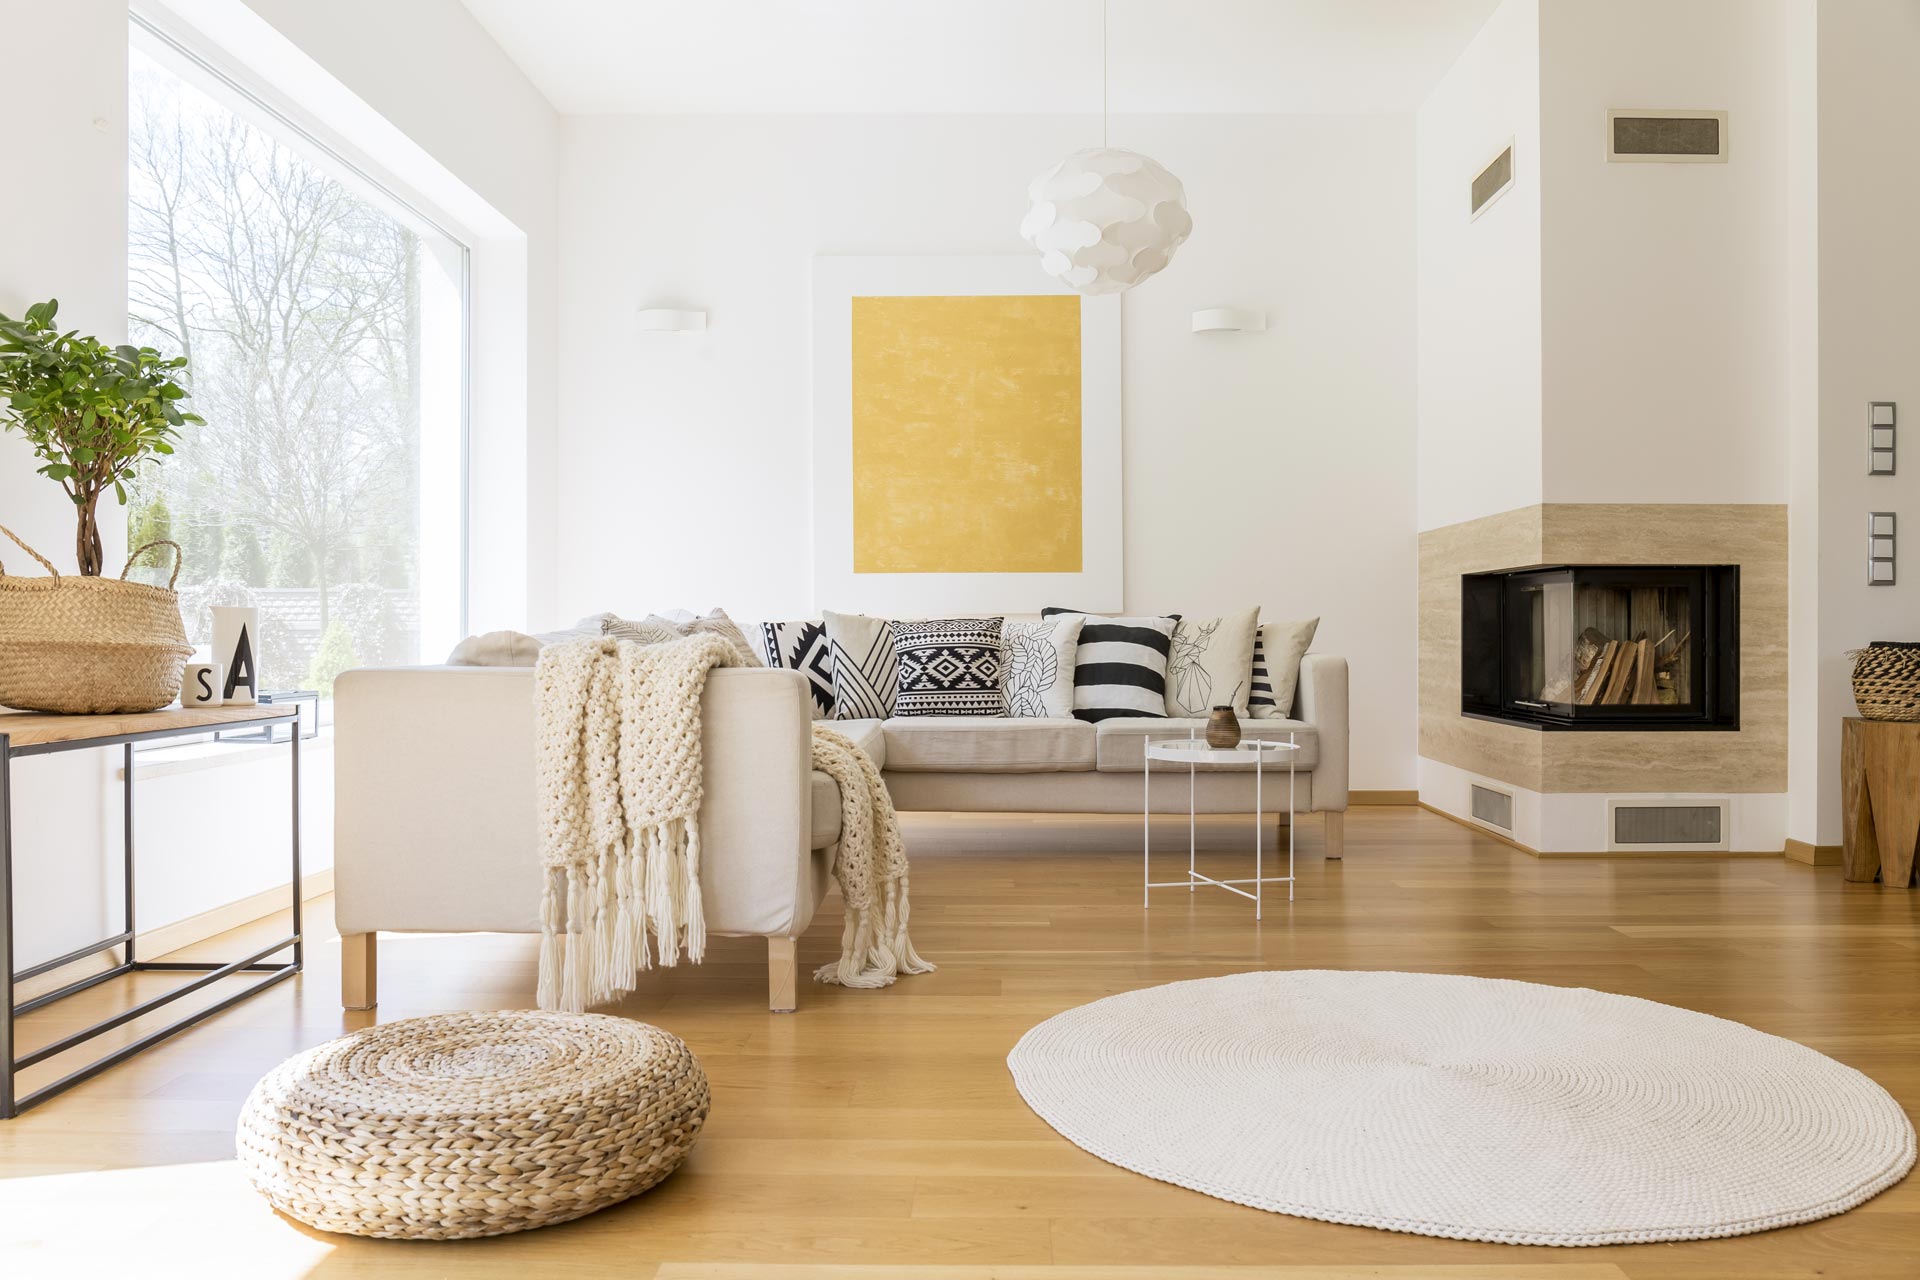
[1099,585]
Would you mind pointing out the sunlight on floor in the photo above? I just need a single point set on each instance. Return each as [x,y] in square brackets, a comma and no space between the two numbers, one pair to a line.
[165,1220]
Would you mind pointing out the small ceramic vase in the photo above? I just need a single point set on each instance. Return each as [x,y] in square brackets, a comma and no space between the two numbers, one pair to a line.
[1223,728]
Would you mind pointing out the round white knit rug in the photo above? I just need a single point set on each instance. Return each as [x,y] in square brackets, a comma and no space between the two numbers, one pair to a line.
[1464,1107]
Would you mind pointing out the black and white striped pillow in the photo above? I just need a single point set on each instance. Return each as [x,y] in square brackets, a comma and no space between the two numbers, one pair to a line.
[1120,668]
[1277,650]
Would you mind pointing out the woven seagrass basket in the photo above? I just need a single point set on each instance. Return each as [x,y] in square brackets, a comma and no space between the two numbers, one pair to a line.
[89,645]
[1886,680]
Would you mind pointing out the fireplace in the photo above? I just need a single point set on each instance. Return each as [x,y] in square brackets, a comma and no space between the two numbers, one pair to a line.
[1602,646]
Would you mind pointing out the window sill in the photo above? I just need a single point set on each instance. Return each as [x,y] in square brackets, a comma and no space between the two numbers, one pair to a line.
[205,754]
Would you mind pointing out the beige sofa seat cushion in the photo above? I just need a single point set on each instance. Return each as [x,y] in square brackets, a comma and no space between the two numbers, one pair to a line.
[988,744]
[870,738]
[825,828]
[868,735]
[1121,743]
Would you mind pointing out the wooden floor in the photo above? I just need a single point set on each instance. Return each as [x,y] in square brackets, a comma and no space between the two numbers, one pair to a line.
[876,1133]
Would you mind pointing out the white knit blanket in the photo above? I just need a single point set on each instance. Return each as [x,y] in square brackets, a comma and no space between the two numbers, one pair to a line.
[619,780]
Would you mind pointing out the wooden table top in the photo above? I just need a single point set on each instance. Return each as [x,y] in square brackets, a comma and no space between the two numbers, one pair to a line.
[37,728]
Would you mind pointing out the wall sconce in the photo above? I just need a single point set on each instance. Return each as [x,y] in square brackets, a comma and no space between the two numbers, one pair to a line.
[667,320]
[1229,320]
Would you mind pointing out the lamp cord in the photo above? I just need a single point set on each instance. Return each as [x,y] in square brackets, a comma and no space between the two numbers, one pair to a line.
[1103,73]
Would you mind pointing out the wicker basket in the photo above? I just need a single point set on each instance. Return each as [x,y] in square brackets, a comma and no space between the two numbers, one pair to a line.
[1886,681]
[89,645]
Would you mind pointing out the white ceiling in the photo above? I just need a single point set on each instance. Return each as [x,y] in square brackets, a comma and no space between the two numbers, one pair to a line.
[593,57]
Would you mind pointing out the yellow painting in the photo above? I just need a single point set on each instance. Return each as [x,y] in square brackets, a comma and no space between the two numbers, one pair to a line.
[966,434]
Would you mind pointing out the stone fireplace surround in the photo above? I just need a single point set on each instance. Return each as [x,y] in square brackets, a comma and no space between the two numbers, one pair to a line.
[1561,782]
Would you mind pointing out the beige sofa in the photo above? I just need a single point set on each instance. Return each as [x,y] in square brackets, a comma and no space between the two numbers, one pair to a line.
[434,822]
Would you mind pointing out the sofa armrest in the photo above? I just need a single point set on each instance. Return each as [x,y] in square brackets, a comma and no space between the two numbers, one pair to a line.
[1321,701]
[435,818]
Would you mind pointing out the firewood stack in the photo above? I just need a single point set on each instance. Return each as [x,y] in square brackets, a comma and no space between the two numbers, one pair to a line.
[1636,672]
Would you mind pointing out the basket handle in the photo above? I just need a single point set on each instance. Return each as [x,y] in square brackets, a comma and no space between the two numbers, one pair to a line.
[29,550]
[178,559]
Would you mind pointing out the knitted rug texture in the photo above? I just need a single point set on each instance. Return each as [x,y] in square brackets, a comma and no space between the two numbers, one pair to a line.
[1469,1108]
[617,742]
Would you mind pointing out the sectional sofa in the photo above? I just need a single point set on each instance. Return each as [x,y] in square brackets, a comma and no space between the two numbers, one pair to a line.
[434,819]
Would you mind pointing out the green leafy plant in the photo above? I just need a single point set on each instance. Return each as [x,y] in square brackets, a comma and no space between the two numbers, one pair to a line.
[92,413]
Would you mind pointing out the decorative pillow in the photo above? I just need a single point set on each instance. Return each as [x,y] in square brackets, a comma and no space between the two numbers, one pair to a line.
[950,667]
[658,628]
[1038,680]
[1120,666]
[866,675]
[1277,651]
[802,647]
[1211,663]
[496,649]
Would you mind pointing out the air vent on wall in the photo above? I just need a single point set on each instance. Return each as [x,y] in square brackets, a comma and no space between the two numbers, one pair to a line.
[1667,824]
[1491,182]
[1667,137]
[1495,808]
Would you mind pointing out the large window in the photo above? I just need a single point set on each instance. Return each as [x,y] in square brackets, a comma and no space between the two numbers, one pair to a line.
[325,327]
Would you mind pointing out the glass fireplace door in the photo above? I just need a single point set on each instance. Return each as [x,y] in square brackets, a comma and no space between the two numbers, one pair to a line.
[1619,643]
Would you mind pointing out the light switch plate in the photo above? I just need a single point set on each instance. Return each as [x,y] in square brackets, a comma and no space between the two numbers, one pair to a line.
[1880,548]
[1880,437]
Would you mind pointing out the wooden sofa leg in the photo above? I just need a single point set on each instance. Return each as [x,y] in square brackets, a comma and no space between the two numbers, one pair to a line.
[783,974]
[1336,834]
[359,970]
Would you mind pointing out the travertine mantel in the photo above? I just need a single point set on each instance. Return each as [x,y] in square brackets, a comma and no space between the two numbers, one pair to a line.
[1752,760]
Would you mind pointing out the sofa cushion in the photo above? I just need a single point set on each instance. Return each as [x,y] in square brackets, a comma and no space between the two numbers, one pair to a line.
[972,744]
[868,735]
[1121,744]
[864,734]
[826,811]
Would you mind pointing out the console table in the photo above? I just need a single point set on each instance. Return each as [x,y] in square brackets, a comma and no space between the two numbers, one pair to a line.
[25,733]
[1879,799]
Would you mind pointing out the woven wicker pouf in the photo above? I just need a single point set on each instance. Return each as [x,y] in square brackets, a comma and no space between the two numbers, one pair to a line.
[472,1124]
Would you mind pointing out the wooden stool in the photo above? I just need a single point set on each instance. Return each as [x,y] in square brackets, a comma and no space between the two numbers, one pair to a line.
[1879,799]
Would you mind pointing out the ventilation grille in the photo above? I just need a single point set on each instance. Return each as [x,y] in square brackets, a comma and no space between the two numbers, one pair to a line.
[1492,180]
[1672,137]
[1495,808]
[1666,825]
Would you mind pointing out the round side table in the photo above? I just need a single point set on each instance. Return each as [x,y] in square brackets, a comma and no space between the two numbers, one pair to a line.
[1195,752]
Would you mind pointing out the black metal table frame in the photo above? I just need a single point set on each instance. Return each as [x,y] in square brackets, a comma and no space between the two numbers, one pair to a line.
[211,972]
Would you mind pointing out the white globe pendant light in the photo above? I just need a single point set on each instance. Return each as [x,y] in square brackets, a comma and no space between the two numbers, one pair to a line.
[1105,219]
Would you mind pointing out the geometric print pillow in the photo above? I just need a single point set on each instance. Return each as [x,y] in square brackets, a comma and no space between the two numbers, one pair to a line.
[1277,650]
[950,667]
[802,647]
[865,673]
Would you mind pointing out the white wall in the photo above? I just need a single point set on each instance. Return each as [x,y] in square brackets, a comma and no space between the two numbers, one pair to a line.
[1869,341]
[1275,468]
[1664,329]
[69,62]
[1479,279]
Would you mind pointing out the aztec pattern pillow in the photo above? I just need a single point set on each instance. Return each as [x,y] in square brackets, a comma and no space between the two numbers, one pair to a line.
[802,647]
[1038,679]
[950,667]
[1277,651]
[1120,667]
[1211,663]
[662,629]
[866,675]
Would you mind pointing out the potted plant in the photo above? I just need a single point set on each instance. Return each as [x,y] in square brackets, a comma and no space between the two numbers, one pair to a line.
[92,413]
